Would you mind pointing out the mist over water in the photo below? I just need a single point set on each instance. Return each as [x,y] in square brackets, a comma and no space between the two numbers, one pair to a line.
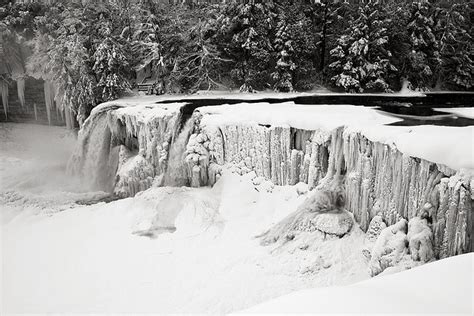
[34,156]
[33,176]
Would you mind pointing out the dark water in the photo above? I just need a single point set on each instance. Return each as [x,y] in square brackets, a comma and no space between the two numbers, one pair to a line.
[411,110]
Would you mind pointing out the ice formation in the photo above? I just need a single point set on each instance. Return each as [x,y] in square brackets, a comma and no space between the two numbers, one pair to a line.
[377,177]
[389,248]
[376,226]
[420,239]
[403,243]
[124,149]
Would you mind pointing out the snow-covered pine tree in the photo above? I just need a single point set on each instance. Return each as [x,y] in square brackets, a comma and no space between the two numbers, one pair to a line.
[145,43]
[456,46]
[329,18]
[283,74]
[246,33]
[423,58]
[362,58]
[111,66]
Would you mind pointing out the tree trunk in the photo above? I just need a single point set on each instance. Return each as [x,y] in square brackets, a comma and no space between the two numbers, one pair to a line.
[323,39]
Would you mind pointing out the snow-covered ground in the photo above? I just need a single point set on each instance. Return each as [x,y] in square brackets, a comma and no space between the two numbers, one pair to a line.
[442,287]
[60,254]
[65,257]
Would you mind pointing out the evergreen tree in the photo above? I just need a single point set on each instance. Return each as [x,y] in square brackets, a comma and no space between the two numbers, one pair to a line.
[88,49]
[111,67]
[285,66]
[422,60]
[330,20]
[456,46]
[293,47]
[362,59]
[246,34]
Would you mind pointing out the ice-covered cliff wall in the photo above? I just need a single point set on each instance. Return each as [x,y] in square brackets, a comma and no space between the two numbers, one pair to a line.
[379,179]
[128,148]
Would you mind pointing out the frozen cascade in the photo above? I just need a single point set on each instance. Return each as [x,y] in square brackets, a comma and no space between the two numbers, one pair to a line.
[144,146]
[95,158]
[176,173]
[124,149]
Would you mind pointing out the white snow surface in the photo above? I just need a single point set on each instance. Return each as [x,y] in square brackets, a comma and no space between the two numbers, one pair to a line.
[62,257]
[87,259]
[442,287]
[141,107]
[462,112]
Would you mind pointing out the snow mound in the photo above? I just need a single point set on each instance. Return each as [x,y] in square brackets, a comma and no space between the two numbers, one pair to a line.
[180,210]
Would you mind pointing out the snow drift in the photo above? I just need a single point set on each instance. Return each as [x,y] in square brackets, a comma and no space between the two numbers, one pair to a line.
[422,293]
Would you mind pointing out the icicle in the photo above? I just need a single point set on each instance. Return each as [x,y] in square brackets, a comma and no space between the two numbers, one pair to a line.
[20,85]
[4,90]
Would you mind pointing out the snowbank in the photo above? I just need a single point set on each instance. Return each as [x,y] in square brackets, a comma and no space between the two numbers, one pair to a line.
[441,287]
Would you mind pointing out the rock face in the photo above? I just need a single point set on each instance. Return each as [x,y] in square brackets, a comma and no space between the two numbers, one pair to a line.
[377,178]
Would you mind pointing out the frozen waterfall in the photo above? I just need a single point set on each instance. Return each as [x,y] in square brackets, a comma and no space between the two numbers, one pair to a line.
[125,149]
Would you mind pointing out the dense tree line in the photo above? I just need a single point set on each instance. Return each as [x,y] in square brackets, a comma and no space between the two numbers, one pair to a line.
[90,51]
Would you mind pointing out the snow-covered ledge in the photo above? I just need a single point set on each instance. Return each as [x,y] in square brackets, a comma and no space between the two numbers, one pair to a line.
[389,170]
